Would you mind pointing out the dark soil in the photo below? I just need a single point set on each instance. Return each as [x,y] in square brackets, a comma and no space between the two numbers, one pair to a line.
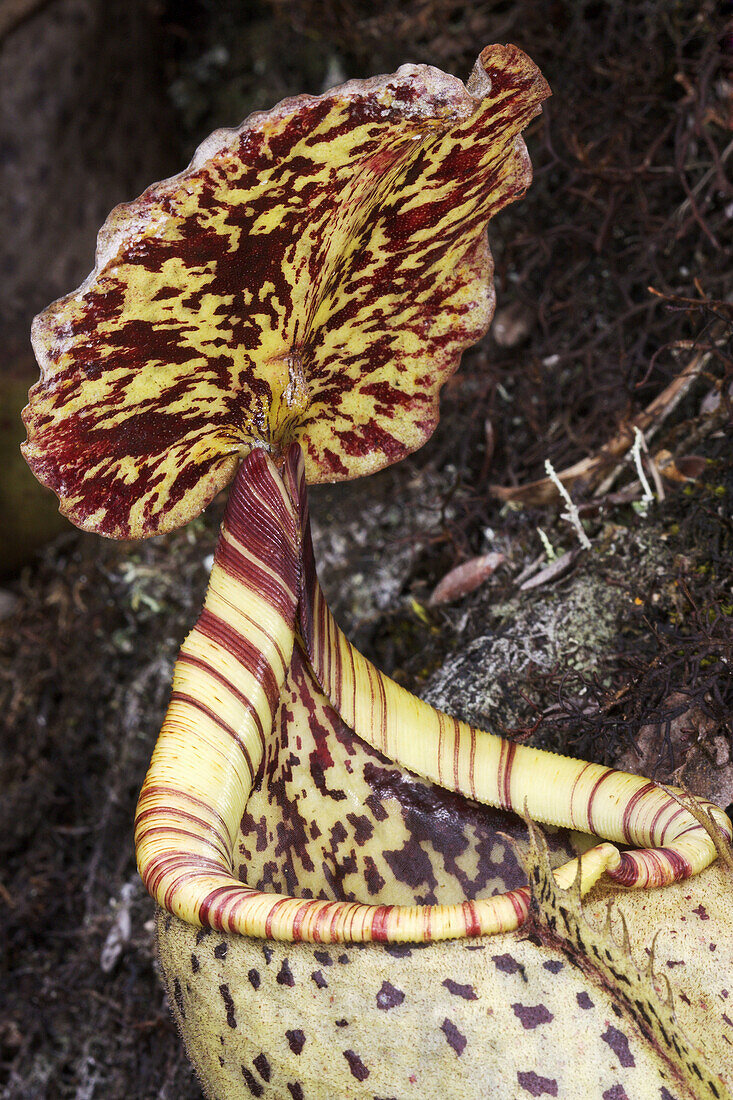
[632,190]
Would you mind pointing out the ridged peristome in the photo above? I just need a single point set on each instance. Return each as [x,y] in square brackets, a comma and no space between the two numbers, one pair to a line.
[242,670]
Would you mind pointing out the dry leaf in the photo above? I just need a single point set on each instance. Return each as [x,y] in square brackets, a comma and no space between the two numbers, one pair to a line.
[465,578]
[551,572]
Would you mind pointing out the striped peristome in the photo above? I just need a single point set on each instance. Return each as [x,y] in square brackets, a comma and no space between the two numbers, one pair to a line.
[227,684]
[226,688]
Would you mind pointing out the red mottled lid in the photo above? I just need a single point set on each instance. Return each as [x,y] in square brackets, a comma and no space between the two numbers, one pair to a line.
[313,275]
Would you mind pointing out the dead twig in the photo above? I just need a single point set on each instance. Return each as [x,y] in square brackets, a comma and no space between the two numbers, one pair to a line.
[590,470]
